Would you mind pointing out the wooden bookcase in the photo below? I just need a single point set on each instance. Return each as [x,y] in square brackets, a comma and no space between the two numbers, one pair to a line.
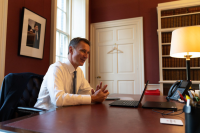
[173,15]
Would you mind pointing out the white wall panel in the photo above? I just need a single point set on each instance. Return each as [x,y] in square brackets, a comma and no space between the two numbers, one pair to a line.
[123,34]
[109,83]
[125,59]
[105,60]
[105,36]
[126,87]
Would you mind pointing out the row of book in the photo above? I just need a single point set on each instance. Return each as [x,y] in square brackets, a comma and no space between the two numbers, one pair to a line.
[180,11]
[166,37]
[179,62]
[179,21]
[181,74]
[166,49]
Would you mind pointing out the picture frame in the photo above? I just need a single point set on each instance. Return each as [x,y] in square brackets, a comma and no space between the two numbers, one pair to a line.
[32,35]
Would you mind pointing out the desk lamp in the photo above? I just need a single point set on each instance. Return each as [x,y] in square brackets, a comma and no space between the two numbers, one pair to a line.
[185,43]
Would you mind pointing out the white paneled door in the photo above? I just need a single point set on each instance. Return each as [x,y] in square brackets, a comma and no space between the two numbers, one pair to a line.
[119,70]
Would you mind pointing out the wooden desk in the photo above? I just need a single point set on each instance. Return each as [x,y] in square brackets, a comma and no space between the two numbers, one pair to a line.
[100,118]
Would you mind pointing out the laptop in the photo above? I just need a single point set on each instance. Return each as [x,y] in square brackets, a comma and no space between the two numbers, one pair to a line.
[129,103]
[160,105]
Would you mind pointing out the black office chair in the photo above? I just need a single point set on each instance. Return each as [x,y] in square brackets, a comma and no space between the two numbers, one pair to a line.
[18,95]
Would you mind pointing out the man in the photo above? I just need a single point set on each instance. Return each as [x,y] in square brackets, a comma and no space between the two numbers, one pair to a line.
[58,87]
[37,36]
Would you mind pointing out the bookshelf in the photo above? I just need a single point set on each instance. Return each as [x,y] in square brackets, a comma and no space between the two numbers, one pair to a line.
[173,15]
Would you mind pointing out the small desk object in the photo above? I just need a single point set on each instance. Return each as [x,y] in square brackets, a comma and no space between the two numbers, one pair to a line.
[99,118]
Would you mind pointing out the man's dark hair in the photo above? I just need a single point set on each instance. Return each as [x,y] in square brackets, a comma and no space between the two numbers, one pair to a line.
[35,25]
[74,42]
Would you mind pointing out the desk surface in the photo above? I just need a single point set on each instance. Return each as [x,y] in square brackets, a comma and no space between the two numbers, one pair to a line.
[100,118]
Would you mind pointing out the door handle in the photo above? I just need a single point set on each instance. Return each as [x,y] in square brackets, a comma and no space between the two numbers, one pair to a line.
[98,77]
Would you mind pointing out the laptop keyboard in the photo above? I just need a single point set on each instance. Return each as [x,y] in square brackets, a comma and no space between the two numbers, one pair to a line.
[125,103]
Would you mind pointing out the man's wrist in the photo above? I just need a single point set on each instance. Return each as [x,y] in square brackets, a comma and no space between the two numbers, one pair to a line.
[92,99]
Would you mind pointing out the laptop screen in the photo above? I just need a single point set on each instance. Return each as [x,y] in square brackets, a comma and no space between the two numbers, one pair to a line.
[144,91]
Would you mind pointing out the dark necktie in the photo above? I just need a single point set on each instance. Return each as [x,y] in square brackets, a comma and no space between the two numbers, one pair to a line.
[74,83]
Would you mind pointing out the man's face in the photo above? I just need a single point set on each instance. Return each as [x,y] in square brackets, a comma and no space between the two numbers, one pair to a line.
[80,54]
[36,28]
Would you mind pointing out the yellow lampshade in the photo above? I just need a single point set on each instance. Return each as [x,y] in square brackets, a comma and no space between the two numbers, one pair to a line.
[185,41]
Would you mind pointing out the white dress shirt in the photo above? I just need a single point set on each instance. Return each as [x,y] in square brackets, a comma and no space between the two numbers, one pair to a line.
[57,87]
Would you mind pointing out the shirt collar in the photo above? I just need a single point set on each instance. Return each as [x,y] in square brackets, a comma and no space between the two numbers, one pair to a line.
[70,66]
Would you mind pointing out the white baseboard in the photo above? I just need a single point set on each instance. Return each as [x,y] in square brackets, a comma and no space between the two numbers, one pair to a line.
[153,86]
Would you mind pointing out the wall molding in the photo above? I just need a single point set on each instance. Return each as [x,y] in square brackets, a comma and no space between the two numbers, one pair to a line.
[3,32]
[153,86]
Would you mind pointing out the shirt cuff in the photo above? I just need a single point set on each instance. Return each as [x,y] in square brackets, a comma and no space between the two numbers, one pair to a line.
[86,99]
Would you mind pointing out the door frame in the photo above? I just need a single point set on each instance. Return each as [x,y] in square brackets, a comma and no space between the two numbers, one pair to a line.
[3,31]
[122,22]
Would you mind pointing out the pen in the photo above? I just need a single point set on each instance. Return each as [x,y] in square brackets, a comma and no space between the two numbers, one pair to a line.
[181,96]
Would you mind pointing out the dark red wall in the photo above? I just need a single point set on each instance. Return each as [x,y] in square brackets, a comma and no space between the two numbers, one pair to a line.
[13,62]
[107,10]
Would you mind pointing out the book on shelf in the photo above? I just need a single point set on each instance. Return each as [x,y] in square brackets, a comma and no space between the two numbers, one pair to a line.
[164,75]
[183,62]
[193,19]
[168,49]
[172,22]
[191,74]
[178,62]
[179,21]
[163,62]
[190,9]
[175,62]
[190,20]
[191,62]
[166,61]
[180,11]
[175,21]
[196,19]
[186,21]
[170,75]
[169,37]
[182,20]
[169,62]
[199,62]
[168,23]
[163,50]
[196,60]
[162,23]
[193,9]
[198,74]
[195,74]
[178,73]
[163,37]
[184,74]
[172,64]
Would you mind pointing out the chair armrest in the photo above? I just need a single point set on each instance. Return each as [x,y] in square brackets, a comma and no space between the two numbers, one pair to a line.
[31,109]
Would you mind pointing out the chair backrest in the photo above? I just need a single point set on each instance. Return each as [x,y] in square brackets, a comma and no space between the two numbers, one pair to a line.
[30,93]
[18,89]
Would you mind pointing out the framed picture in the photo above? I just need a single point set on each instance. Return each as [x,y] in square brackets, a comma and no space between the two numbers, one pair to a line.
[33,34]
